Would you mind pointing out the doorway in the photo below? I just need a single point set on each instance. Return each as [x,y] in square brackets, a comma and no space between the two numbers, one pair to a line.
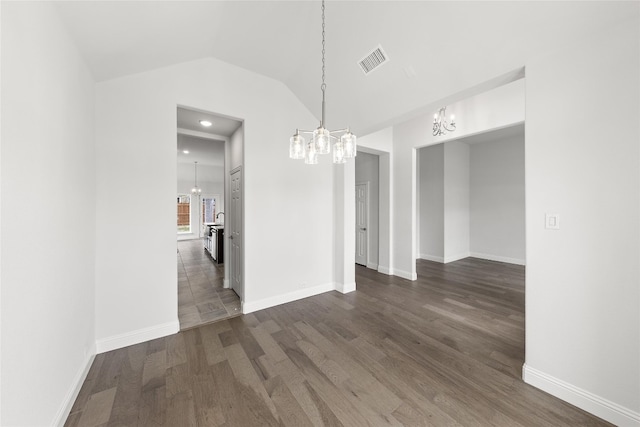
[368,206]
[471,198]
[203,159]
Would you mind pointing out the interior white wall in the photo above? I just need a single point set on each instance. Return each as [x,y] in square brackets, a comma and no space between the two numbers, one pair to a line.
[368,170]
[431,202]
[48,217]
[494,109]
[0,218]
[497,213]
[456,201]
[237,147]
[284,193]
[582,162]
[381,144]
[206,174]
[344,236]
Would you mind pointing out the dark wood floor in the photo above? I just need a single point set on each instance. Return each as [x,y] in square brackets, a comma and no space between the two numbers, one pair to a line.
[445,350]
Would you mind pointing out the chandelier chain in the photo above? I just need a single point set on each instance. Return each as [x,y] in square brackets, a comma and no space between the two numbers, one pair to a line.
[324,85]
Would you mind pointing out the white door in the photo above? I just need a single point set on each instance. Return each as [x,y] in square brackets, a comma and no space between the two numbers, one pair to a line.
[362,220]
[235,233]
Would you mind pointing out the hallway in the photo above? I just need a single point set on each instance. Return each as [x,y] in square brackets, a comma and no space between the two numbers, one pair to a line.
[201,296]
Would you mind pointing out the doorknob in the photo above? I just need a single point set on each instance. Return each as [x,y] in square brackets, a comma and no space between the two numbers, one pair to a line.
[231,237]
[363,228]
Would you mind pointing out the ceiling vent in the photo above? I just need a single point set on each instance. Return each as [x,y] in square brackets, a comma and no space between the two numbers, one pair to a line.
[373,60]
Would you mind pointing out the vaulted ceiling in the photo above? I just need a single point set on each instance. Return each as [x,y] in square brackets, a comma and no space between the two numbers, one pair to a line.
[436,49]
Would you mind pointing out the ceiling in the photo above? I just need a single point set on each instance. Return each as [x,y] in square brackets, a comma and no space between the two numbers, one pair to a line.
[221,126]
[206,152]
[437,49]
[203,144]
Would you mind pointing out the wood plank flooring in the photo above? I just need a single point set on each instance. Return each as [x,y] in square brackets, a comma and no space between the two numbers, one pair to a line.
[446,350]
[201,296]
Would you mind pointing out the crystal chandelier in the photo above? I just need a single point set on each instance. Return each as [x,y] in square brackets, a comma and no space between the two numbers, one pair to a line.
[440,124]
[343,141]
[196,190]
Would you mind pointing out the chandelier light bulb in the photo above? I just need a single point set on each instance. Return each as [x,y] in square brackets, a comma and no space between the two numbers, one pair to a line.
[311,155]
[322,140]
[349,143]
[297,146]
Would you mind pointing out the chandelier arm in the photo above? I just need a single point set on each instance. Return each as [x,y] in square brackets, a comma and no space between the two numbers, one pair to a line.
[339,130]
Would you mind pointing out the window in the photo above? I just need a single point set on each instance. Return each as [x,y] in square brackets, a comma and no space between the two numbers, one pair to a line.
[184,213]
[208,210]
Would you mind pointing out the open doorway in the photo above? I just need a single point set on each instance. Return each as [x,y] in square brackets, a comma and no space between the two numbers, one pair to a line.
[471,198]
[367,209]
[470,241]
[203,141]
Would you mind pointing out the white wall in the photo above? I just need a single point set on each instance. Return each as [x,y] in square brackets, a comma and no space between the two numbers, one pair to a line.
[497,217]
[237,148]
[367,170]
[283,193]
[344,235]
[48,217]
[582,161]
[431,196]
[0,219]
[456,201]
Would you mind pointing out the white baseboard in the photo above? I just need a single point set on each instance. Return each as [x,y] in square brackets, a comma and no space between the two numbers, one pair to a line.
[345,288]
[385,270]
[372,266]
[456,257]
[74,390]
[405,274]
[225,283]
[583,399]
[251,306]
[498,258]
[136,337]
[432,258]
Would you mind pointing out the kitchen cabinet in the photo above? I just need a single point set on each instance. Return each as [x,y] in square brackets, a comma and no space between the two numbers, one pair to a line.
[214,243]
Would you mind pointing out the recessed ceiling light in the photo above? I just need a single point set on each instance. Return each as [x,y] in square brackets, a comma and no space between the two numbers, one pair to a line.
[205,123]
[185,151]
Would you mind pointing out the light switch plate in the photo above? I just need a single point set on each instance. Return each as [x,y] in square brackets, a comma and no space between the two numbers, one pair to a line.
[552,221]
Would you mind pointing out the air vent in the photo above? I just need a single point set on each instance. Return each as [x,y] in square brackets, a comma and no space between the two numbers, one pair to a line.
[373,60]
